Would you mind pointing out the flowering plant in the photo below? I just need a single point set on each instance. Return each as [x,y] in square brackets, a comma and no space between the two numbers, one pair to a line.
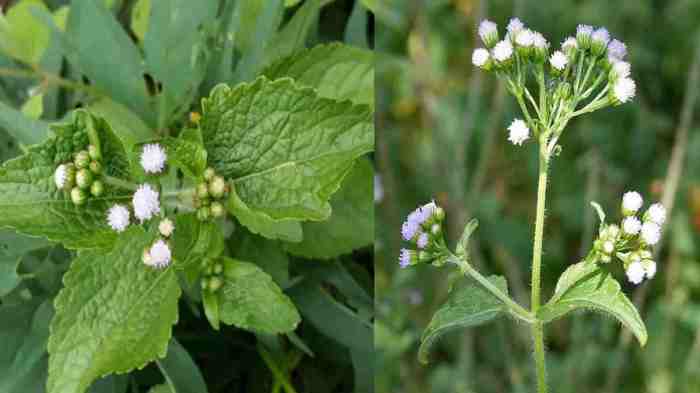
[587,73]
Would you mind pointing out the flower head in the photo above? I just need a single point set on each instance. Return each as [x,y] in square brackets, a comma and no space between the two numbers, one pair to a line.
[480,57]
[146,202]
[409,229]
[651,233]
[617,50]
[118,217]
[60,176]
[583,36]
[422,241]
[558,60]
[601,36]
[514,27]
[488,31]
[166,227]
[621,69]
[635,272]
[525,38]
[406,258]
[656,214]
[518,132]
[503,51]
[631,202]
[539,41]
[624,90]
[160,254]
[153,158]
[569,43]
[650,268]
[631,225]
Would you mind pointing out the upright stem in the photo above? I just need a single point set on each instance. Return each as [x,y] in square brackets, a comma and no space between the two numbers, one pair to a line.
[537,327]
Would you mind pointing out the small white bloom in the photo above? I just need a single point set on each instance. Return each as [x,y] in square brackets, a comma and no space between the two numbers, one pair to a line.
[569,43]
[488,31]
[60,176]
[539,41]
[631,225]
[146,202]
[558,60]
[503,51]
[585,30]
[160,254]
[608,247]
[635,272]
[601,36]
[118,217]
[617,50]
[514,26]
[153,158]
[650,268]
[657,213]
[480,57]
[525,38]
[622,69]
[651,233]
[632,201]
[624,89]
[518,132]
[166,227]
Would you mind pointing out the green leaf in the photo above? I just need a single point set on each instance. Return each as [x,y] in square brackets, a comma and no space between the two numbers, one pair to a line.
[140,15]
[268,254]
[186,154]
[351,225]
[370,4]
[162,388]
[12,248]
[336,71]
[467,306]
[261,223]
[125,123]
[34,106]
[599,210]
[195,241]
[293,35]
[113,315]
[22,36]
[250,300]
[587,285]
[31,204]
[24,129]
[210,302]
[285,149]
[255,23]
[180,371]
[463,243]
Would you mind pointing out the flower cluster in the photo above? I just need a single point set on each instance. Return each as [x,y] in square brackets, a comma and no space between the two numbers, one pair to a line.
[209,195]
[158,255]
[591,61]
[81,176]
[423,229]
[153,158]
[632,239]
[212,278]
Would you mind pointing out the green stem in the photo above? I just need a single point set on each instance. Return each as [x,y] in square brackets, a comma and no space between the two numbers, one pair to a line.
[517,310]
[276,371]
[537,328]
[114,181]
[526,112]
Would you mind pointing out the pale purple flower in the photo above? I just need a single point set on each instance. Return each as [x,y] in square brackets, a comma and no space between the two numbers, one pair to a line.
[422,240]
[405,258]
[617,50]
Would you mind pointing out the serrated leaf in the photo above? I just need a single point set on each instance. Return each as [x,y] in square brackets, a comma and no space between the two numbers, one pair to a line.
[21,35]
[187,155]
[336,71]
[250,300]
[113,315]
[350,226]
[587,285]
[285,149]
[467,306]
[599,210]
[261,223]
[31,204]
[463,243]
[180,370]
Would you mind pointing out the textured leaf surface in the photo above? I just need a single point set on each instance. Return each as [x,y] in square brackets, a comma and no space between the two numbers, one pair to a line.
[113,315]
[193,242]
[285,149]
[468,305]
[30,202]
[586,285]
[261,223]
[187,155]
[250,300]
[351,224]
[268,254]
[336,71]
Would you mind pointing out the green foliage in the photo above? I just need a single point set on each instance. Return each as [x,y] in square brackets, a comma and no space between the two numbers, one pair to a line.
[22,36]
[180,371]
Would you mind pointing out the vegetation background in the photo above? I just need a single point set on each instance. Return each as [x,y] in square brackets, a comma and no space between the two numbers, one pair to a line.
[442,134]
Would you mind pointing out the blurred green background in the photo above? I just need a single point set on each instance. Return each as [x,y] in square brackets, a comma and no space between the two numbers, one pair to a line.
[441,133]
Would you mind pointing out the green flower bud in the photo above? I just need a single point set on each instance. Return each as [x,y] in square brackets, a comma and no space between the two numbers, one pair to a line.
[215,283]
[97,188]
[218,269]
[83,178]
[209,173]
[70,176]
[217,187]
[439,213]
[217,209]
[202,190]
[96,167]
[78,196]
[203,213]
[94,152]
[209,270]
[82,159]
[205,283]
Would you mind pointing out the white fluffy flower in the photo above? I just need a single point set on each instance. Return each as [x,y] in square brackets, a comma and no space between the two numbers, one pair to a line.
[624,89]
[650,268]
[651,233]
[558,60]
[525,38]
[118,217]
[518,132]
[146,202]
[514,26]
[635,272]
[539,41]
[503,51]
[608,247]
[153,158]
[166,227]
[569,43]
[160,254]
[657,213]
[631,202]
[488,31]
[60,176]
[601,36]
[480,57]
[631,225]
[621,69]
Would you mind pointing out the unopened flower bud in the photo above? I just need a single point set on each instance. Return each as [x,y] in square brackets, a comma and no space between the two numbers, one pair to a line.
[97,188]
[215,283]
[217,209]
[94,152]
[83,178]
[424,256]
[217,187]
[436,229]
[583,36]
[218,269]
[203,213]
[209,173]
[78,196]
[488,31]
[608,247]
[166,227]
[82,159]
[439,213]
[202,190]
[96,167]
